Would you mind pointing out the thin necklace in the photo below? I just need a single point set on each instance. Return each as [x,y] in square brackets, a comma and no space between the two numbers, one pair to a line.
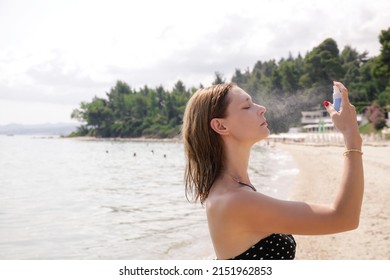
[244,184]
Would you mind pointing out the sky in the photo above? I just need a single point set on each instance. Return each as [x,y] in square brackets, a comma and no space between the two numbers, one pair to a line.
[55,54]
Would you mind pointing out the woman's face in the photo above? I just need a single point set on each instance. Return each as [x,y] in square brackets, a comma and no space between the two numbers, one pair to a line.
[245,119]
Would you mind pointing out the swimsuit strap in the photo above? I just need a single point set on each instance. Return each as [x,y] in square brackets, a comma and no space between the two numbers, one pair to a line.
[248,185]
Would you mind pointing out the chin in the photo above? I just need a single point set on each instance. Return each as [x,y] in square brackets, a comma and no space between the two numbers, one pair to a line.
[262,137]
[265,134]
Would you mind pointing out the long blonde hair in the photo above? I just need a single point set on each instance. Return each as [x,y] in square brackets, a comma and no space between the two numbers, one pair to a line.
[203,146]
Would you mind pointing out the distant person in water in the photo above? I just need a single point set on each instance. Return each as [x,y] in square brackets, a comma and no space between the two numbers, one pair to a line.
[221,124]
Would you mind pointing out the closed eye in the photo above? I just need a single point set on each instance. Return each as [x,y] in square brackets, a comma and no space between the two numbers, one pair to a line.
[248,105]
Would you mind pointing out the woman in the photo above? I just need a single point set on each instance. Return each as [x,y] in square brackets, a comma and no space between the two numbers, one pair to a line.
[221,124]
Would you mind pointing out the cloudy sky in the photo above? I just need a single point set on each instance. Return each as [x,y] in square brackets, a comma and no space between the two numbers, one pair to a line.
[55,54]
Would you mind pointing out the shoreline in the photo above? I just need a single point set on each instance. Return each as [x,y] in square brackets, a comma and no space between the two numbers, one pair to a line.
[120,139]
[305,139]
[320,169]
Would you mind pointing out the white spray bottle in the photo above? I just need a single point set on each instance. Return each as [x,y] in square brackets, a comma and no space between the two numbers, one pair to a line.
[336,98]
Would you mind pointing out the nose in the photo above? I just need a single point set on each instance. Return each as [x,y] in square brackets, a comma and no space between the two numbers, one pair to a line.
[261,110]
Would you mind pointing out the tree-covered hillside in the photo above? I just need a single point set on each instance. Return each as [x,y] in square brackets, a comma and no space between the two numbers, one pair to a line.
[285,87]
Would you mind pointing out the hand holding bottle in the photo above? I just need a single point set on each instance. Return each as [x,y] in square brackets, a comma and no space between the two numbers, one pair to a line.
[345,119]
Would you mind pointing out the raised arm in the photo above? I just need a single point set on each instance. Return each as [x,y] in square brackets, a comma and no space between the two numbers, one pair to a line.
[266,214]
[350,195]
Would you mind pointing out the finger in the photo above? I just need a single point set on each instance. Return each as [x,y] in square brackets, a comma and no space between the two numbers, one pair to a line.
[329,107]
[344,94]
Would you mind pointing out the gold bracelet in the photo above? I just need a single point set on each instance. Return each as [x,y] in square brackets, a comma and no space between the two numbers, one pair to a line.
[352,150]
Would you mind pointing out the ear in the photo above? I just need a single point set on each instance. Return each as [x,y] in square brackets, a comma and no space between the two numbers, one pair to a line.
[218,126]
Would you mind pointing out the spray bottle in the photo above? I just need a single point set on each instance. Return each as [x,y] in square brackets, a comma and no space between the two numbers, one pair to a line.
[336,98]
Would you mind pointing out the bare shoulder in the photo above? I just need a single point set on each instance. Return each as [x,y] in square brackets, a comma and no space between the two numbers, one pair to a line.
[228,201]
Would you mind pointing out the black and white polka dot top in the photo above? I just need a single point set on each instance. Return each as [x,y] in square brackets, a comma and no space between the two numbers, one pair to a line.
[273,247]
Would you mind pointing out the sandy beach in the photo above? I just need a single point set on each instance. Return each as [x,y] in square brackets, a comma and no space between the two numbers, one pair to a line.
[317,181]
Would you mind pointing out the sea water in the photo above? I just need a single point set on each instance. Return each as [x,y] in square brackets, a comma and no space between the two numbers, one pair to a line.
[76,199]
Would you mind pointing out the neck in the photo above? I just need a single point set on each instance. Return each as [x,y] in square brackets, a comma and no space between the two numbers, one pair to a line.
[237,160]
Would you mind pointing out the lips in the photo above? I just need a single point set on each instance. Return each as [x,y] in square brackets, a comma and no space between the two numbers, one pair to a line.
[264,123]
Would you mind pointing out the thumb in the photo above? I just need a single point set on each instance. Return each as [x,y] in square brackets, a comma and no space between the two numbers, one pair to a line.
[344,94]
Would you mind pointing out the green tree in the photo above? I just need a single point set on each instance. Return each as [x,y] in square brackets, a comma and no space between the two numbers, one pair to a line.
[322,65]
[116,97]
[289,76]
[240,78]
[98,115]
[384,99]
[381,70]
[219,79]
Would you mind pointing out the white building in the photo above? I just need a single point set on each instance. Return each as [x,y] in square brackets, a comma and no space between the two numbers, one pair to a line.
[319,121]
